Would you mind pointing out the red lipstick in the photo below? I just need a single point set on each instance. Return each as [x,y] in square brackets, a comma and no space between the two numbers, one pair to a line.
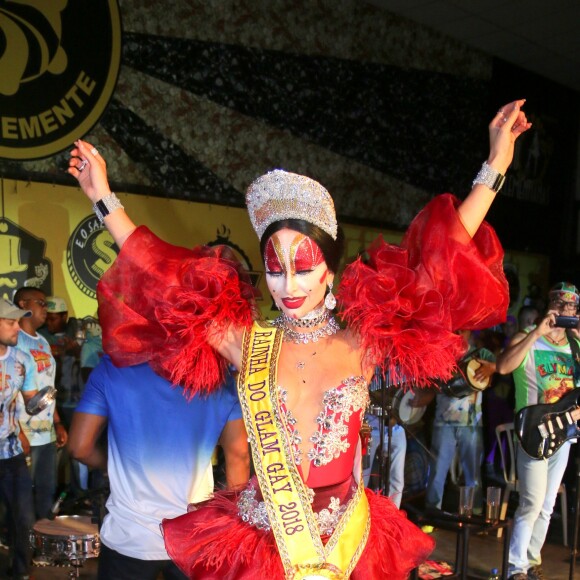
[293,303]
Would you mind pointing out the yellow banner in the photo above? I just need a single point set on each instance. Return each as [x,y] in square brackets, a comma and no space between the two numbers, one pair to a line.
[49,238]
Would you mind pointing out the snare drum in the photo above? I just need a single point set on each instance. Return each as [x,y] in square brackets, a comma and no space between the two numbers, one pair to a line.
[402,408]
[72,538]
[463,383]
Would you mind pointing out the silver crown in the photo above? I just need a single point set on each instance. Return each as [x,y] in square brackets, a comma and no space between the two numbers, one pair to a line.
[280,195]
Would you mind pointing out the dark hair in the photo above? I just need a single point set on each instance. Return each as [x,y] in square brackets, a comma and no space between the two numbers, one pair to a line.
[332,250]
[22,293]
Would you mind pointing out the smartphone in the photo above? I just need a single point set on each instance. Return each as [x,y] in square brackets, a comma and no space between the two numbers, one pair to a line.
[567,321]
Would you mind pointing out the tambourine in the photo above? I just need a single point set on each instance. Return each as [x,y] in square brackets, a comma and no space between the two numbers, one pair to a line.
[41,400]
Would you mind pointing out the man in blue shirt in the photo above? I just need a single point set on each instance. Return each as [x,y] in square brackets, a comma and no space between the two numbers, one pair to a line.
[158,459]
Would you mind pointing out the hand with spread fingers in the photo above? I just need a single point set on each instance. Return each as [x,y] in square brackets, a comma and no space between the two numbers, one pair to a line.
[484,371]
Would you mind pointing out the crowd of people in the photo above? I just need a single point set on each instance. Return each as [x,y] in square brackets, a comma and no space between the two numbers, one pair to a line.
[190,365]
[32,436]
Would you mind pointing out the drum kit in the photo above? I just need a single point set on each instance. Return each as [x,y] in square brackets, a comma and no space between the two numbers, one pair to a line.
[401,407]
[388,401]
[69,540]
[395,401]
[66,541]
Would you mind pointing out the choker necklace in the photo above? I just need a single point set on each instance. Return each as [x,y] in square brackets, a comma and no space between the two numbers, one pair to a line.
[284,323]
[312,319]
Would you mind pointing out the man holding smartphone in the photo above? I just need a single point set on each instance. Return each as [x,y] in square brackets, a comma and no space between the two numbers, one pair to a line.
[542,363]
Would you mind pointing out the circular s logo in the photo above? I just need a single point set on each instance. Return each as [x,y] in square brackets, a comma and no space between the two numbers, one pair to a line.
[59,63]
[90,253]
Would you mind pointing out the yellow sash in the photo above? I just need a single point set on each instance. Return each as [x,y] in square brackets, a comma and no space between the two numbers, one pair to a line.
[285,495]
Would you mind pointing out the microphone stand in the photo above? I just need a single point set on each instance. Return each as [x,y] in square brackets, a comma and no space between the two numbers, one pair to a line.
[574,548]
[386,413]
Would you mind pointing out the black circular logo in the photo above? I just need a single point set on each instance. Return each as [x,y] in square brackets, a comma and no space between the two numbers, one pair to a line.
[91,252]
[59,62]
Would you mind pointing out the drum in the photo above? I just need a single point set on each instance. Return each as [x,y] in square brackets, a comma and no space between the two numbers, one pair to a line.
[416,467]
[72,538]
[402,408]
[463,383]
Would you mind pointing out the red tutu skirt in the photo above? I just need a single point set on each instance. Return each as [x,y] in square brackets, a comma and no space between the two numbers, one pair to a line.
[213,543]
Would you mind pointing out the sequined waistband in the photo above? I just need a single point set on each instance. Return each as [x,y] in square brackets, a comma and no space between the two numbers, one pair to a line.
[252,509]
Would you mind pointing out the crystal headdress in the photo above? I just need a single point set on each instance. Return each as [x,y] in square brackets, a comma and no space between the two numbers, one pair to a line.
[280,195]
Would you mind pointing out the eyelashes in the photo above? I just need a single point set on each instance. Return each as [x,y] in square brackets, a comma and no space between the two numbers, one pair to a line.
[282,273]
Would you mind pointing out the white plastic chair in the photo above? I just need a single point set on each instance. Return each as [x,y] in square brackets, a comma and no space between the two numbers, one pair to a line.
[504,434]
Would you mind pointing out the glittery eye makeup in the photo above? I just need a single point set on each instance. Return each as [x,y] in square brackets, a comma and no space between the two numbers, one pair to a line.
[304,255]
[307,255]
[273,256]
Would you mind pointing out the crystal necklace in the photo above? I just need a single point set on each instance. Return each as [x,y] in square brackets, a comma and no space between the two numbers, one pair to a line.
[310,320]
[285,323]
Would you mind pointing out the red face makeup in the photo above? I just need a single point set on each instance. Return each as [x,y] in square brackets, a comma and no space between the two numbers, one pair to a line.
[273,258]
[307,256]
[304,255]
[296,272]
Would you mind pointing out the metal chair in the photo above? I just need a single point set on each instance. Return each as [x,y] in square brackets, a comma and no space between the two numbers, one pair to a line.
[504,434]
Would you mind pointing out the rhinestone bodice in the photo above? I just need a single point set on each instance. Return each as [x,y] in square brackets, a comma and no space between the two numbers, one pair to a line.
[338,423]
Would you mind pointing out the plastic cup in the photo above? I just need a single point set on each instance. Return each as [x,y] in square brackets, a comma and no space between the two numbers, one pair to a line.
[466,501]
[493,505]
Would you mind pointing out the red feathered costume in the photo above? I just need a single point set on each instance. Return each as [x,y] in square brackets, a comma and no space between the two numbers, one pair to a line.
[158,303]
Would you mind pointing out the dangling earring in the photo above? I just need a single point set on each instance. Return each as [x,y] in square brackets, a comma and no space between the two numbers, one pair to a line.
[330,300]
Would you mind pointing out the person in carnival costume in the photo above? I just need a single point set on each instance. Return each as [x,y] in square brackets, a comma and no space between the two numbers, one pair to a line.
[302,378]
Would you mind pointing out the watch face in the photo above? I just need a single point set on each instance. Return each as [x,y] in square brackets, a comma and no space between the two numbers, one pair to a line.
[498,183]
[489,177]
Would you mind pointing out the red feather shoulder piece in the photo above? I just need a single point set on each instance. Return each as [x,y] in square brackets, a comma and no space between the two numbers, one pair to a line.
[406,301]
[158,303]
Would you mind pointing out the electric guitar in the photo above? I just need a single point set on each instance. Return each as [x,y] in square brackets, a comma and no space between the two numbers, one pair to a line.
[542,429]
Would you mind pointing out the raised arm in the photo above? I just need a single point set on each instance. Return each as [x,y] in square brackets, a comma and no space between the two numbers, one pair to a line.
[507,125]
[90,169]
[512,357]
